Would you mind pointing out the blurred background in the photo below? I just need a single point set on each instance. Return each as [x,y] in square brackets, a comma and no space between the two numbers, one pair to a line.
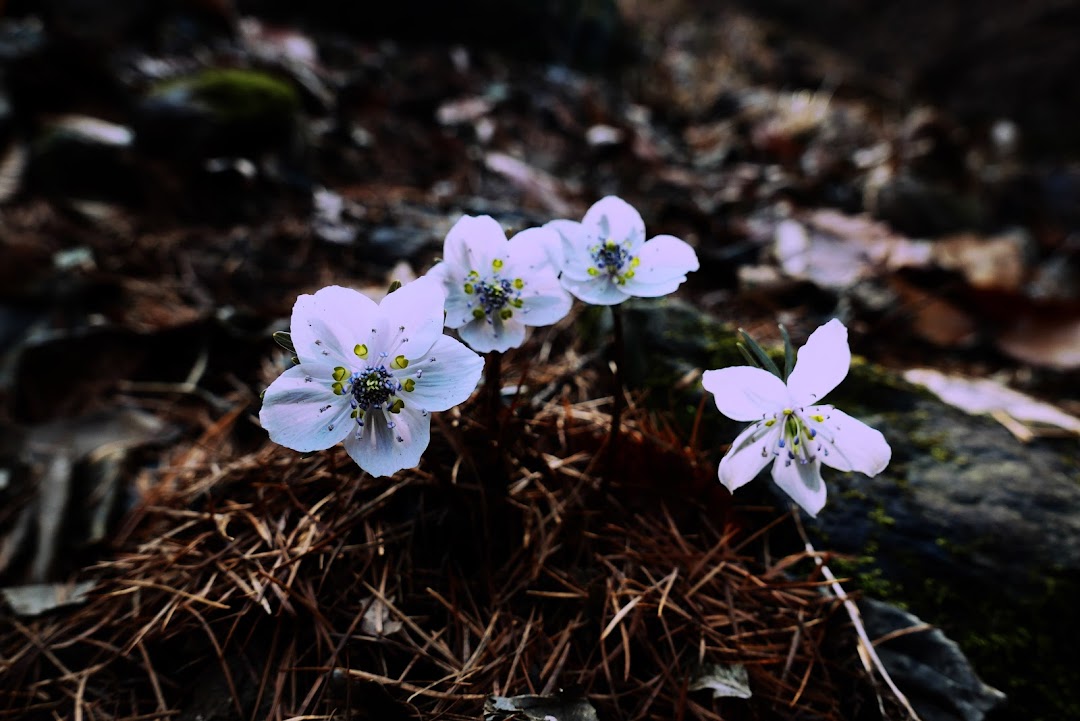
[173,173]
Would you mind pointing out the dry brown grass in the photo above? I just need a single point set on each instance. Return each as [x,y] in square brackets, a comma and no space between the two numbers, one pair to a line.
[271,585]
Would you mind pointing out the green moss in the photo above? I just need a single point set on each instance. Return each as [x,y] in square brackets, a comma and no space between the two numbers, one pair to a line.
[235,95]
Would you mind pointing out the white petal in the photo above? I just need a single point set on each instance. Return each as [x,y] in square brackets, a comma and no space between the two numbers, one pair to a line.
[473,243]
[499,336]
[418,308]
[532,250]
[457,308]
[851,444]
[750,452]
[444,382]
[665,261]
[328,325]
[562,229]
[822,363]
[544,301]
[597,291]
[616,220]
[574,249]
[379,451]
[301,412]
[801,481]
[745,393]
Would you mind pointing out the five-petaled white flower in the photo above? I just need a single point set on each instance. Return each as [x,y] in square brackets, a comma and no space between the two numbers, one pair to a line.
[369,375]
[495,287]
[791,427]
[606,259]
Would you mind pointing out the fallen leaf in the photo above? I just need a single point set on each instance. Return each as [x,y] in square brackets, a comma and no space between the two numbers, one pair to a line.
[538,708]
[723,680]
[980,396]
[1044,338]
[38,598]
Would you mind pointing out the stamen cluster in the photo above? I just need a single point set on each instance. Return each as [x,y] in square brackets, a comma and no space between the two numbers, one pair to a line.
[611,258]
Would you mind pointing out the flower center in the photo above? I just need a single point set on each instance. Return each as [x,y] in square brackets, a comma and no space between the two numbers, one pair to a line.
[494,294]
[798,439]
[614,260]
[372,387]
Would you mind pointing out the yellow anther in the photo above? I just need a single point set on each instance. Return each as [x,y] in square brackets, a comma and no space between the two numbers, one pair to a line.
[594,272]
[360,350]
[468,289]
[339,389]
[788,411]
[400,362]
[819,418]
[517,302]
[770,423]
[519,283]
[497,263]
[397,405]
[635,262]
[506,314]
[629,274]
[477,313]
[340,373]
[409,384]
[355,413]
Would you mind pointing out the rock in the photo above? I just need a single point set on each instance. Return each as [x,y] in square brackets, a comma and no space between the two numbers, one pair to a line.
[921,208]
[223,112]
[77,156]
[972,530]
[927,666]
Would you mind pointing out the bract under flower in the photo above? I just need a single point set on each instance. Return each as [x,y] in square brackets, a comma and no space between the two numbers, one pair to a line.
[495,287]
[606,259]
[791,429]
[369,375]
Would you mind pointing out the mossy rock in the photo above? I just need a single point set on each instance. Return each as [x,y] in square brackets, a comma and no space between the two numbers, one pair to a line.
[967,527]
[219,111]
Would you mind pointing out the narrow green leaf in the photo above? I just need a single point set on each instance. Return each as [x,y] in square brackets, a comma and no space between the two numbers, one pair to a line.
[750,360]
[789,353]
[764,361]
[284,339]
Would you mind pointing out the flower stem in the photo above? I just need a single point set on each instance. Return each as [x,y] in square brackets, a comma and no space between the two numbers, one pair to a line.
[617,381]
[493,388]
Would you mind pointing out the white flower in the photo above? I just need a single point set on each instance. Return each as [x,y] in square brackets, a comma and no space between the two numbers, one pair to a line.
[606,259]
[369,375]
[791,427]
[495,287]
